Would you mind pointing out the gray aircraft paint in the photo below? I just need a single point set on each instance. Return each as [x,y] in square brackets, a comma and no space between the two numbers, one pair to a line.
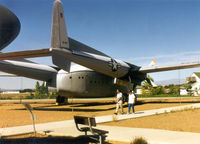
[30,70]
[86,84]
[81,83]
[98,63]
[59,38]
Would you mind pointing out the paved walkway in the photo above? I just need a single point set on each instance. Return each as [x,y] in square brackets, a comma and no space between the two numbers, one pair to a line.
[116,133]
[126,134]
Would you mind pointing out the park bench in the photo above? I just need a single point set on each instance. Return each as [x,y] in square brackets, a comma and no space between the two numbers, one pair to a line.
[87,126]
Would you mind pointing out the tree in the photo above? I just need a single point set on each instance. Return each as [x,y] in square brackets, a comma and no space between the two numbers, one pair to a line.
[41,91]
[37,89]
[187,86]
[158,90]
[174,89]
[147,85]
[54,94]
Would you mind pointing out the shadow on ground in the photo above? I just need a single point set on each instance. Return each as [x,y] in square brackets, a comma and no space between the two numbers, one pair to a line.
[89,107]
[50,140]
[176,102]
[74,107]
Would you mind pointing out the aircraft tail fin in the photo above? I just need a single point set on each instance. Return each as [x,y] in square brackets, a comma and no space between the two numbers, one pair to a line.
[59,37]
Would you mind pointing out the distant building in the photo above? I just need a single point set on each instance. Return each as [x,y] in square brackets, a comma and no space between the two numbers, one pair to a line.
[194,79]
[139,91]
[183,92]
[10,92]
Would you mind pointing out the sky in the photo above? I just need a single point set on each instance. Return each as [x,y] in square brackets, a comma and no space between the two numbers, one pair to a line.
[135,31]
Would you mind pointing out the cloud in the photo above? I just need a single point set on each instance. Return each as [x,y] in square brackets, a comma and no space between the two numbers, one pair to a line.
[190,56]
[192,53]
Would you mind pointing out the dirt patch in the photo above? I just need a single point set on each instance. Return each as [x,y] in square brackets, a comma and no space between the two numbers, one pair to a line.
[14,95]
[15,114]
[185,120]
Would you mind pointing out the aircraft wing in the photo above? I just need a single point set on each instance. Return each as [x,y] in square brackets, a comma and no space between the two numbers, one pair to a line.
[29,70]
[7,75]
[169,67]
[25,54]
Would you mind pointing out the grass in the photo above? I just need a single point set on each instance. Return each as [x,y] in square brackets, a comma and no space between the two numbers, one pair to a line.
[184,109]
[162,95]
[165,112]
[13,96]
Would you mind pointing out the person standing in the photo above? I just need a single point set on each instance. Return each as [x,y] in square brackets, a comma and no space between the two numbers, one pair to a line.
[131,101]
[119,102]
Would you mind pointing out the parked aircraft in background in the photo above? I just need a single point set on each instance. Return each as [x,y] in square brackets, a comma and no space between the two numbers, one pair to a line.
[95,75]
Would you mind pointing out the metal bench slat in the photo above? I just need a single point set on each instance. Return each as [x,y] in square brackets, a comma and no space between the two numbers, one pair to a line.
[84,120]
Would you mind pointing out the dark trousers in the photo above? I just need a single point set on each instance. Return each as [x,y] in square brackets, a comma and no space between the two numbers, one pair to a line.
[131,106]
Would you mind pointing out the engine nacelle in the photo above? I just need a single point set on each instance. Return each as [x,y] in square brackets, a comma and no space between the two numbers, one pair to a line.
[9,27]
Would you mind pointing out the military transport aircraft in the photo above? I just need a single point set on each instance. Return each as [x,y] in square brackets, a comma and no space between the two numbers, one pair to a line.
[95,75]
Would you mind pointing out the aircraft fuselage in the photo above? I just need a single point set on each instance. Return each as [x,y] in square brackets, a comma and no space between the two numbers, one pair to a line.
[86,84]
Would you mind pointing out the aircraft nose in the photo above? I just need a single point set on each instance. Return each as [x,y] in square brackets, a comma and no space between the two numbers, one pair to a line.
[9,27]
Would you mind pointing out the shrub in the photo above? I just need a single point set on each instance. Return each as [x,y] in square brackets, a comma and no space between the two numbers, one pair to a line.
[114,118]
[158,90]
[139,140]
[165,112]
[31,96]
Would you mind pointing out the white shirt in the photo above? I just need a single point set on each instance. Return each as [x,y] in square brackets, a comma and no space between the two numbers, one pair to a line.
[119,95]
[131,98]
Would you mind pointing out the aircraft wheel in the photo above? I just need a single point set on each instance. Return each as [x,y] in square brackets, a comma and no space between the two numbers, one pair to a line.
[61,100]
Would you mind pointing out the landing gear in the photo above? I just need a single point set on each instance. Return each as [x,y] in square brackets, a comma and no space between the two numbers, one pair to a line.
[61,100]
[125,98]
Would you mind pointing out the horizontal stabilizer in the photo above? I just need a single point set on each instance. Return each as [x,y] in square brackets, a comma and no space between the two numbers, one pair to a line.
[25,54]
